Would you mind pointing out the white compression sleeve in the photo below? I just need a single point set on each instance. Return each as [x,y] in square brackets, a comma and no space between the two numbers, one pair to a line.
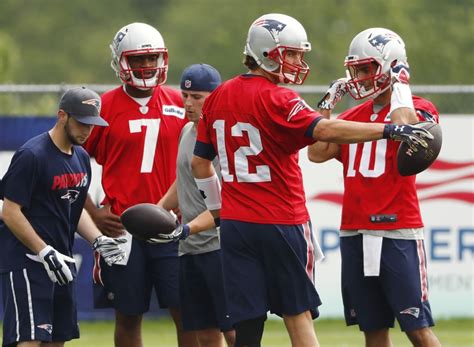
[401,97]
[210,188]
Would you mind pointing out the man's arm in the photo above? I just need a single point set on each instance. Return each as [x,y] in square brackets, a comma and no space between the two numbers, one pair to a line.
[21,227]
[203,170]
[107,222]
[169,201]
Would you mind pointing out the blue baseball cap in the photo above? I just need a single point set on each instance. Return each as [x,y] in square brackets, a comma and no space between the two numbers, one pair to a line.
[83,105]
[200,78]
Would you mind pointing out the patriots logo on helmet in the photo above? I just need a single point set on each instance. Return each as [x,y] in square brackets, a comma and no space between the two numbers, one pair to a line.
[273,26]
[380,41]
[93,102]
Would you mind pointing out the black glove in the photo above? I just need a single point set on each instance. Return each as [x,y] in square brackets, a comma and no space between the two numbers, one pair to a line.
[109,248]
[411,134]
[180,233]
[55,264]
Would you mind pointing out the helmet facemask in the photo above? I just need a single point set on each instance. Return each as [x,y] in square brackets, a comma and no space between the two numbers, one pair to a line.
[288,72]
[373,81]
[144,77]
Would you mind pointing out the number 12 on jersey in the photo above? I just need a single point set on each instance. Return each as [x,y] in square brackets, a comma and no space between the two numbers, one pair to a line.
[240,156]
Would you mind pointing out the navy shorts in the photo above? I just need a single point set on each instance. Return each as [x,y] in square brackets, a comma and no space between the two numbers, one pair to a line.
[36,309]
[127,288]
[268,267]
[202,292]
[401,289]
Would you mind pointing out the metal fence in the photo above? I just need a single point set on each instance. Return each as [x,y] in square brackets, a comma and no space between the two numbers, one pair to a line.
[41,99]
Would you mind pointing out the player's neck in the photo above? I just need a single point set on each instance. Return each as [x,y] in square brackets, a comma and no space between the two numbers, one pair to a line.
[60,140]
[138,93]
[383,99]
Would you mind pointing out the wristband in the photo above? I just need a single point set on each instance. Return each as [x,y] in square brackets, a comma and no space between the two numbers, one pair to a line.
[210,189]
[401,97]
[217,221]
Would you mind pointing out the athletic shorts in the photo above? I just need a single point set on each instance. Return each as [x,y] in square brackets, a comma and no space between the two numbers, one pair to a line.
[36,309]
[401,289]
[268,267]
[127,288]
[202,292]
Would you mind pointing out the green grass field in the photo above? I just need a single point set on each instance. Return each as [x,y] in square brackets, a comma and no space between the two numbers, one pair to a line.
[331,333]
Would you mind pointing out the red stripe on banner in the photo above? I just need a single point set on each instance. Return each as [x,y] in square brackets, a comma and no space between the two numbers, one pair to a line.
[309,252]
[448,165]
[96,271]
[421,186]
[335,198]
[460,196]
[422,269]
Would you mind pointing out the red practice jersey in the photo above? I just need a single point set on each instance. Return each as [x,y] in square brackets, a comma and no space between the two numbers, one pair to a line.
[373,186]
[137,150]
[257,129]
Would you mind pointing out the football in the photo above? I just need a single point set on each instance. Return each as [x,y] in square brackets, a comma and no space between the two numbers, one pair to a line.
[145,221]
[411,163]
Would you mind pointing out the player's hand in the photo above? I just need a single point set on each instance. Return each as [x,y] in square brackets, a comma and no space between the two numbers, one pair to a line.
[109,248]
[55,264]
[180,233]
[334,94]
[400,72]
[412,134]
[108,222]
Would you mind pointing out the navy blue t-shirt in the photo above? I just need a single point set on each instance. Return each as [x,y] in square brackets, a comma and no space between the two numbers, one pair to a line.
[51,186]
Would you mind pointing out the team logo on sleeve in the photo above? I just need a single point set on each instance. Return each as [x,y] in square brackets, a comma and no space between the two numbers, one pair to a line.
[299,105]
[380,41]
[273,26]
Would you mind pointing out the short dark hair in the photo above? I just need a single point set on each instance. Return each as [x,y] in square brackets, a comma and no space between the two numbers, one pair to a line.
[250,62]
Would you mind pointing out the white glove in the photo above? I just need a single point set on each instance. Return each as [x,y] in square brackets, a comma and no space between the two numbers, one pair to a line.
[400,72]
[109,248]
[55,264]
[334,94]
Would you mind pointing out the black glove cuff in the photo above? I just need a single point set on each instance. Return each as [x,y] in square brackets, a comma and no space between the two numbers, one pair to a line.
[387,131]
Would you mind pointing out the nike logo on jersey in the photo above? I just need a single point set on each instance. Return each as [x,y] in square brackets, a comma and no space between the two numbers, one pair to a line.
[414,311]
[299,106]
[172,110]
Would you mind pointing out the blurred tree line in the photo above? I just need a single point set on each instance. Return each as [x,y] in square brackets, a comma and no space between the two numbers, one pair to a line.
[57,41]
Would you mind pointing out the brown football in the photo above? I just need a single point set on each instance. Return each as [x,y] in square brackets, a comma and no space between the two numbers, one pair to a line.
[145,221]
[412,163]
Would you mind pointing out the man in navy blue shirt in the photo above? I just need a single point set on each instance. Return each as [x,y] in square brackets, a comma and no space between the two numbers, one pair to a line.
[44,191]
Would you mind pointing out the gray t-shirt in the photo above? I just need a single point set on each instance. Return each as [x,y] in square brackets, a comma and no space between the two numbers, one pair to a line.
[191,203]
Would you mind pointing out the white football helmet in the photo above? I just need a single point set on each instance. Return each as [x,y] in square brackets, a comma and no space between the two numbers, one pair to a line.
[139,39]
[375,45]
[268,40]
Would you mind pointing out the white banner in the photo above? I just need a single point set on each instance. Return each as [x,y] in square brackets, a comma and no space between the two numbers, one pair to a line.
[446,192]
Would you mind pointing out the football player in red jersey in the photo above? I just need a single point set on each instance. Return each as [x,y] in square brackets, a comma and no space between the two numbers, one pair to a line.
[383,261]
[138,157]
[257,128]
